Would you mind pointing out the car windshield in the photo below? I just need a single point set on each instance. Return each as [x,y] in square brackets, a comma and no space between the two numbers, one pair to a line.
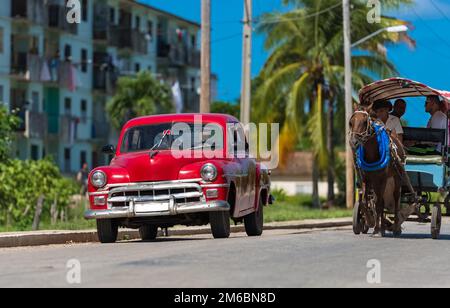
[168,136]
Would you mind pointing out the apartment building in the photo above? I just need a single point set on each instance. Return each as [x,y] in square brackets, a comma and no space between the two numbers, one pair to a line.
[61,75]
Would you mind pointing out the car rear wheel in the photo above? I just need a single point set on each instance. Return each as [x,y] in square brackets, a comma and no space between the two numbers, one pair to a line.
[254,222]
[107,230]
[220,224]
[148,232]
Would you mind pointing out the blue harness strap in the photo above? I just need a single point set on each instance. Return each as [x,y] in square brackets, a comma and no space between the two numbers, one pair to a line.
[383,141]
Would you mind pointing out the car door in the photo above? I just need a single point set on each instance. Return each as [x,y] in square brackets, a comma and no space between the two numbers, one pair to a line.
[248,174]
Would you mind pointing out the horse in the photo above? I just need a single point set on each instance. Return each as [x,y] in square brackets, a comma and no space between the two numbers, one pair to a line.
[383,185]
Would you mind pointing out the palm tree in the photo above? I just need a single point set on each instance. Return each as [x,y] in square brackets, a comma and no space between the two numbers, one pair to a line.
[306,65]
[138,96]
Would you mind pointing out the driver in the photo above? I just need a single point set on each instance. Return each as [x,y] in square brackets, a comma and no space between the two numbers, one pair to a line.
[392,123]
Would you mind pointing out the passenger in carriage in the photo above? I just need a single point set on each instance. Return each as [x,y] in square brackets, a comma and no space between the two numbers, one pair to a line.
[438,120]
[399,108]
[392,123]
[433,106]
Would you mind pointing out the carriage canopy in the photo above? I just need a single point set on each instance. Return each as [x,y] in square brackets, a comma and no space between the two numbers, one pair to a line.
[395,88]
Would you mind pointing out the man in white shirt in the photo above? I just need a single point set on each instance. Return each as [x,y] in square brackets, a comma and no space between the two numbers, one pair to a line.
[392,123]
[438,119]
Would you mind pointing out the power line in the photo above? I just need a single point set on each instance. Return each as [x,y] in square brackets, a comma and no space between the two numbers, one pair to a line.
[227,38]
[278,20]
[430,28]
[440,11]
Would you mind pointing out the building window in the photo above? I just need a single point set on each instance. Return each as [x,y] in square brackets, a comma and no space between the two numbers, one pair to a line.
[67,106]
[150,28]
[68,53]
[84,10]
[84,60]
[67,159]
[194,41]
[84,108]
[34,152]
[35,101]
[112,15]
[82,158]
[138,23]
[137,67]
[1,40]
[2,94]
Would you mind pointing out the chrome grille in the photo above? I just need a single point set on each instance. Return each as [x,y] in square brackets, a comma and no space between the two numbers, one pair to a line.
[183,193]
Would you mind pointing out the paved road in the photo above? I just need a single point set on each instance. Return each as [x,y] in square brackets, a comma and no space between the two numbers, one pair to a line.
[288,258]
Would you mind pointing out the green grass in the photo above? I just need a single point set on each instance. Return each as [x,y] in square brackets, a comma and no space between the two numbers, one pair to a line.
[300,208]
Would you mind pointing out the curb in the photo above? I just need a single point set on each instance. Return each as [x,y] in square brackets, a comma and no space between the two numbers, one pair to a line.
[44,238]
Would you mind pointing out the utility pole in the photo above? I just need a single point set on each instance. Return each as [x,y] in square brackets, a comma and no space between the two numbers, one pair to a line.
[247,62]
[205,95]
[350,180]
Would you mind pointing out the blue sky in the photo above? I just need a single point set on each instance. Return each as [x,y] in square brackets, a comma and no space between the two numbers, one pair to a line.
[428,63]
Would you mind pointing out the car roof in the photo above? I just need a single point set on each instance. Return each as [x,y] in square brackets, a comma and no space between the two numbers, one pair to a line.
[182,117]
[395,88]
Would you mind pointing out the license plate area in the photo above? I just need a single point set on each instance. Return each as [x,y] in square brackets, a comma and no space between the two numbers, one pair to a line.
[151,207]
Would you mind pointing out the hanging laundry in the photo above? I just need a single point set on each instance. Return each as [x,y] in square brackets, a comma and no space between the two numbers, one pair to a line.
[72,80]
[45,72]
[177,97]
[54,68]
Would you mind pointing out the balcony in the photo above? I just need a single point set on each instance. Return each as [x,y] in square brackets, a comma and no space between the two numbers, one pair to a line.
[127,38]
[104,79]
[178,54]
[191,101]
[29,10]
[33,124]
[34,68]
[56,19]
[194,58]
[100,130]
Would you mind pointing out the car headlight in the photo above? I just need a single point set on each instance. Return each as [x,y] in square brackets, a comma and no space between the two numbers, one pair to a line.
[98,179]
[209,173]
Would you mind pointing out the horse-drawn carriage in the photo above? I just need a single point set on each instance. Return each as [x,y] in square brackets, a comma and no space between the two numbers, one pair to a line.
[422,196]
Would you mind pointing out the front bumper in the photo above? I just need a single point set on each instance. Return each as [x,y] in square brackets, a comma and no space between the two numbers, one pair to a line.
[173,209]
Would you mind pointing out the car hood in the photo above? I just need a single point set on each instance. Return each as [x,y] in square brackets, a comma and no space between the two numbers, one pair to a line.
[162,167]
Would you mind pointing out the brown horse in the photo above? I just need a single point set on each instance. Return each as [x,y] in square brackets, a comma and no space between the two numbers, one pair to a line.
[383,187]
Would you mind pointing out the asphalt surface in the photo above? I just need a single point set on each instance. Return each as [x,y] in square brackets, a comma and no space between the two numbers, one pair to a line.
[283,258]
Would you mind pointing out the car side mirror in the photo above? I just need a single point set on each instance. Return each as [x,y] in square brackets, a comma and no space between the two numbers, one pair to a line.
[108,149]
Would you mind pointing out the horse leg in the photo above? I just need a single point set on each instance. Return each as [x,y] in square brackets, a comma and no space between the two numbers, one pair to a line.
[380,221]
[397,221]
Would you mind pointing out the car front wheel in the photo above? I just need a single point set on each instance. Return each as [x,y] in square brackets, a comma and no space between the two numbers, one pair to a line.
[148,232]
[107,230]
[220,224]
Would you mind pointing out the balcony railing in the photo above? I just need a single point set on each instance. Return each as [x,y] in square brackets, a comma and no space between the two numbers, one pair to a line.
[104,79]
[56,18]
[194,57]
[31,67]
[191,101]
[100,130]
[178,54]
[36,125]
[126,38]
[33,124]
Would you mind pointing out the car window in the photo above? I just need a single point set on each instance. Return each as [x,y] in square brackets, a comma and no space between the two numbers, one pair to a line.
[164,137]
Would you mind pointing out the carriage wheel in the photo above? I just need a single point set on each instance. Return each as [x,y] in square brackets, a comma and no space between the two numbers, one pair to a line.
[436,220]
[358,223]
[447,205]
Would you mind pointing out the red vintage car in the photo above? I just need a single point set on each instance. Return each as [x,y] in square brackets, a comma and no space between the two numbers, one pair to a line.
[185,169]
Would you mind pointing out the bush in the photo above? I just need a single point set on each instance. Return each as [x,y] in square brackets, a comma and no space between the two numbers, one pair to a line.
[22,183]
[280,195]
[8,124]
